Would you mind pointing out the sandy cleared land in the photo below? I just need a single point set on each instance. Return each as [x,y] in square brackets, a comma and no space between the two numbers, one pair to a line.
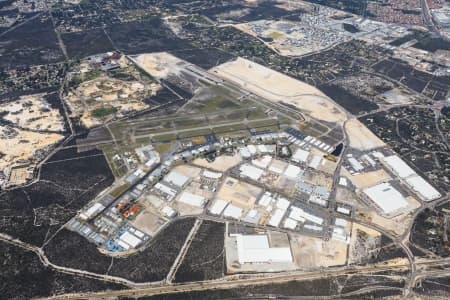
[400,223]
[354,254]
[221,163]
[189,171]
[186,209]
[293,5]
[396,96]
[239,193]
[160,64]
[364,180]
[195,188]
[361,137]
[147,221]
[344,195]
[310,252]
[19,176]
[326,165]
[277,87]
[245,27]
[125,96]
[23,145]
[33,112]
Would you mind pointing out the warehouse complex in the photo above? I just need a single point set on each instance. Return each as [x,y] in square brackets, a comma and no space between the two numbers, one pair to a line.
[274,188]
[256,249]
[386,198]
[419,185]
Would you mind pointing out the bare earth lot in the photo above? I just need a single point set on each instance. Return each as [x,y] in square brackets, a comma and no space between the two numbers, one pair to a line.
[257,78]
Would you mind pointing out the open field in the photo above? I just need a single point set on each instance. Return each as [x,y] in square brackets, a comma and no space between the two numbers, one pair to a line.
[257,78]
[310,252]
[29,142]
[367,179]
[221,163]
[360,137]
[147,221]
[159,65]
[238,192]
[32,112]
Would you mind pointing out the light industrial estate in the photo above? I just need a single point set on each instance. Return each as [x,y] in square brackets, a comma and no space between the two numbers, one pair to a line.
[271,188]
[176,149]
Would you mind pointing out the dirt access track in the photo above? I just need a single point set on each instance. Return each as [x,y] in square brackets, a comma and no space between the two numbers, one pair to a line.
[278,87]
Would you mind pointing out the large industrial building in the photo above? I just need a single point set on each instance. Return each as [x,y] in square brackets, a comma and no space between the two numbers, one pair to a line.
[417,184]
[386,198]
[255,248]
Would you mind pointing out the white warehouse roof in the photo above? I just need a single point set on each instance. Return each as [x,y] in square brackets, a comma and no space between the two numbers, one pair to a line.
[256,249]
[244,152]
[123,244]
[266,148]
[130,239]
[165,189]
[398,166]
[176,178]
[315,162]
[251,149]
[300,215]
[212,175]
[192,199]
[386,197]
[233,212]
[300,155]
[292,171]
[423,188]
[251,172]
[262,162]
[283,203]
[265,199]
[276,218]
[355,164]
[169,211]
[217,207]
[97,207]
[343,210]
[290,224]
[340,222]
